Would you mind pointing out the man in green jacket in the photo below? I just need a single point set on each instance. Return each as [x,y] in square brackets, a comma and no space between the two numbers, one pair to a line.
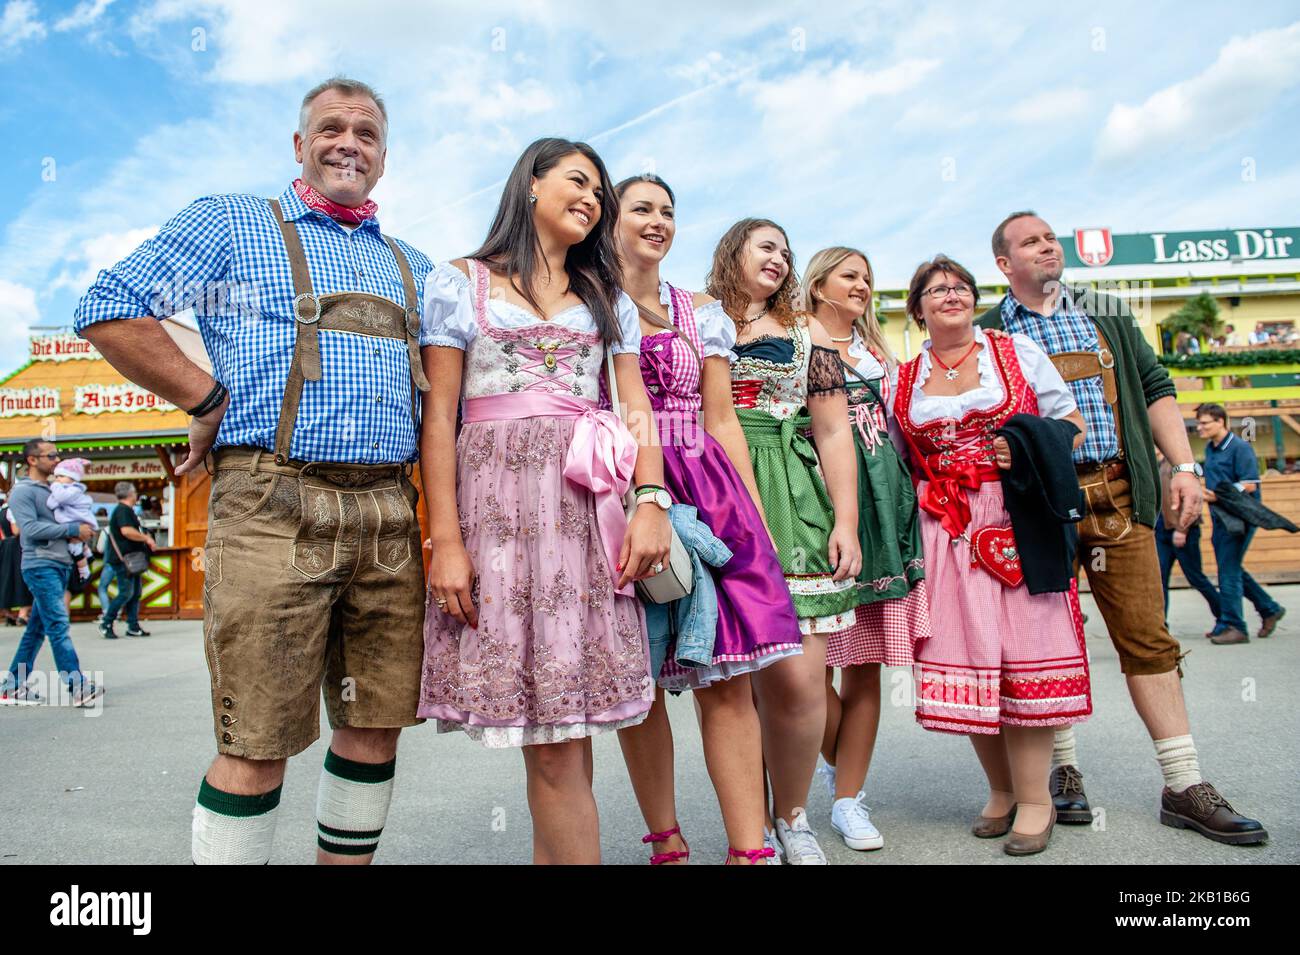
[1127,401]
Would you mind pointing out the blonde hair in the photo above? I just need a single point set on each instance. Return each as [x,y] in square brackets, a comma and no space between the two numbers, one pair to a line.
[820,266]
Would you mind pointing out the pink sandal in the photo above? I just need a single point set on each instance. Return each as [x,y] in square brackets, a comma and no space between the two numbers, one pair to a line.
[661,857]
[753,855]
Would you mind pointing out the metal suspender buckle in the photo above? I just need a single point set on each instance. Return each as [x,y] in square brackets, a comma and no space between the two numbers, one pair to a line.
[413,322]
[297,308]
[1105,358]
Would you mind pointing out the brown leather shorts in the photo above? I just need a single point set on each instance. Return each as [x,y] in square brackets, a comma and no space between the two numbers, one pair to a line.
[312,572]
[1119,556]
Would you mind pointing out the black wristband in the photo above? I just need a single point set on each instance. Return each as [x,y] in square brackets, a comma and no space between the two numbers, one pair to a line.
[213,401]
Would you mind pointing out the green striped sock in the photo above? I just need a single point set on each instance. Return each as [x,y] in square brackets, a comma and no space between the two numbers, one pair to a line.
[352,804]
[233,829]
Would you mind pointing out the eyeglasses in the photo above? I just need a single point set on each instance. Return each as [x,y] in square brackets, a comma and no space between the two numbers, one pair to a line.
[52,455]
[939,292]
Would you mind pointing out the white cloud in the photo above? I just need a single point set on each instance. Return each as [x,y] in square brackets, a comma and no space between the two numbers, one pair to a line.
[806,109]
[18,24]
[83,15]
[935,118]
[1051,106]
[1248,76]
[98,252]
[18,312]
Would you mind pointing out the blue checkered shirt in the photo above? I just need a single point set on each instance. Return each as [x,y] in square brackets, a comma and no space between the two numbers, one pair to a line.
[224,257]
[1068,329]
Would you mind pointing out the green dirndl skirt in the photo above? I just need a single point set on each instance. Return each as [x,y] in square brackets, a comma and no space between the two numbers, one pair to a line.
[798,512]
[889,528]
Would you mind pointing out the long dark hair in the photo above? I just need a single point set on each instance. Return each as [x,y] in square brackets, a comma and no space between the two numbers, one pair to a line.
[644,312]
[512,246]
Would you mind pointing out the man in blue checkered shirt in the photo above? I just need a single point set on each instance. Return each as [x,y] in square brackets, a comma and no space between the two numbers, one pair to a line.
[1129,404]
[313,576]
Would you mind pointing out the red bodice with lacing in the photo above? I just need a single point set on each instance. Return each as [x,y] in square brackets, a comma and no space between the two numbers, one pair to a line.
[956,456]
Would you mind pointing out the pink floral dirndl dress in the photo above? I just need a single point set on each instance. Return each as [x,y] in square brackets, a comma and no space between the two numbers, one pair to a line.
[559,653]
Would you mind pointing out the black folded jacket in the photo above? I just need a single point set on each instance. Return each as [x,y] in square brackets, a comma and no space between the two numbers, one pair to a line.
[1236,509]
[1042,495]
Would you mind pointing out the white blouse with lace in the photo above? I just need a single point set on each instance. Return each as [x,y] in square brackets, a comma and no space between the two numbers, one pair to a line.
[562,354]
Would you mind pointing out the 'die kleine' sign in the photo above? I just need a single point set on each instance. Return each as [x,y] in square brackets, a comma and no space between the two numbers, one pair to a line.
[1098,247]
[61,347]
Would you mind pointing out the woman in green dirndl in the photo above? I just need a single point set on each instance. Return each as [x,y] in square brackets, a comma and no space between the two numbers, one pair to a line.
[788,386]
[893,613]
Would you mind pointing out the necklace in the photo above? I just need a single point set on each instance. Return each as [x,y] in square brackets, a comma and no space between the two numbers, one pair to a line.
[950,372]
[742,323]
[846,338]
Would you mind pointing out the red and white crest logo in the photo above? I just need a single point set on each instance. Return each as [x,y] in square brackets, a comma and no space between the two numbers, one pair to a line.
[1094,246]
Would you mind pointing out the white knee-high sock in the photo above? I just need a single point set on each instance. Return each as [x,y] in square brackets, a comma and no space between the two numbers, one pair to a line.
[352,804]
[230,829]
[1063,748]
[1178,761]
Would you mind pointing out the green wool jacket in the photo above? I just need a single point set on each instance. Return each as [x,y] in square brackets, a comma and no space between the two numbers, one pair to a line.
[1141,381]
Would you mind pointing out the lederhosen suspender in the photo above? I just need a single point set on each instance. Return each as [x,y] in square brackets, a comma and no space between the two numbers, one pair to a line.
[355,312]
[1077,365]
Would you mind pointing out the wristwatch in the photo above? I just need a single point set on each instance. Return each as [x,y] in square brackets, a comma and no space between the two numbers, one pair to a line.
[655,494]
[1193,468]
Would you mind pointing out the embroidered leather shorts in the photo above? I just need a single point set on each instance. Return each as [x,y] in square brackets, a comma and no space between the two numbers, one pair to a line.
[313,580]
[1119,556]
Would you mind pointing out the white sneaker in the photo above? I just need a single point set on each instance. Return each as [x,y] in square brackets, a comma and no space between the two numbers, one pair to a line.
[799,840]
[771,842]
[852,820]
[827,772]
[21,696]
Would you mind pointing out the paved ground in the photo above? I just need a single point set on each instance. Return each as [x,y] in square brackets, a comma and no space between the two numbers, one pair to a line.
[117,785]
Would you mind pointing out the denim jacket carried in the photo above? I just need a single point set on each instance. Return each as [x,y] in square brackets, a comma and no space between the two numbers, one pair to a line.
[692,621]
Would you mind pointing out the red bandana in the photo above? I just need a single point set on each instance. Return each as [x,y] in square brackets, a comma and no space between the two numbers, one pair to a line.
[338,213]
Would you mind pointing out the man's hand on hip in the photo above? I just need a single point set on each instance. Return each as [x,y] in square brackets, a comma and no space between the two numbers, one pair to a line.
[203,432]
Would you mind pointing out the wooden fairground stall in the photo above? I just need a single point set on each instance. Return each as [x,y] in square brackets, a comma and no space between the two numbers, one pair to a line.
[67,393]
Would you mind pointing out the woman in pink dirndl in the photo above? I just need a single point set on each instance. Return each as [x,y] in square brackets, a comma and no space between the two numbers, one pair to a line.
[1001,665]
[533,636]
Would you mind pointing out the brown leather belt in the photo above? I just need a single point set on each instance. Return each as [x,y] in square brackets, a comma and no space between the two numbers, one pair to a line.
[1111,470]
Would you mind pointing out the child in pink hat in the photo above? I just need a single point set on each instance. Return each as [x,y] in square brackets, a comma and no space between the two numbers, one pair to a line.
[70,502]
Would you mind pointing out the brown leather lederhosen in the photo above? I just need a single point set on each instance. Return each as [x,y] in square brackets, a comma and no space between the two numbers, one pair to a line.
[356,312]
[1127,584]
[312,573]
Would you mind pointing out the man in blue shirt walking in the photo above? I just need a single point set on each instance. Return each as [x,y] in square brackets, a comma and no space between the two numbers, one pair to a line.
[1229,459]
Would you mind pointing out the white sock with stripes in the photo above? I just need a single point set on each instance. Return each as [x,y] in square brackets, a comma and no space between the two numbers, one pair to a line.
[352,804]
[230,829]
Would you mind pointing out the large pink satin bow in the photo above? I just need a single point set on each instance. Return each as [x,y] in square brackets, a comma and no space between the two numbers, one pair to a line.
[601,455]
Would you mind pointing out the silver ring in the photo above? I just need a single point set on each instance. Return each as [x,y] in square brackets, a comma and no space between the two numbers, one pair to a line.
[658,568]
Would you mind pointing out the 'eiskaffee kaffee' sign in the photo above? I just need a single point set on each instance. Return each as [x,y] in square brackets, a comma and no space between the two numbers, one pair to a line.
[64,346]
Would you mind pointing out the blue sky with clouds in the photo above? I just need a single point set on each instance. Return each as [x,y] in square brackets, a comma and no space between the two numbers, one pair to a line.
[904,128]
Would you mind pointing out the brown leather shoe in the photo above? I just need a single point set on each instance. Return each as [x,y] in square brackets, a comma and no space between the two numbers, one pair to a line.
[1228,637]
[1021,845]
[1270,623]
[1200,807]
[1068,797]
[990,827]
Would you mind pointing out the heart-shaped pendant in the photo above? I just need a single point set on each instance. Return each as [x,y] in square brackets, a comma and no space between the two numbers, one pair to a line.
[994,549]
